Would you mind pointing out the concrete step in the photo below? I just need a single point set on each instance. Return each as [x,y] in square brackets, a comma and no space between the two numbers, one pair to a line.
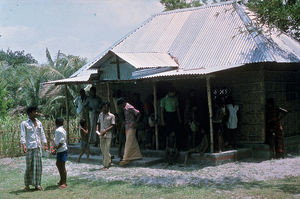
[217,158]
[97,159]
[151,157]
[75,148]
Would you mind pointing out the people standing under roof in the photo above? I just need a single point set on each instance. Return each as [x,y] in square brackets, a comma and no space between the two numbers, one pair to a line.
[171,120]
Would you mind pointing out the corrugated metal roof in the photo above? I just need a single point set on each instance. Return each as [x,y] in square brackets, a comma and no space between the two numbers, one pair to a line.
[84,77]
[180,72]
[148,60]
[218,37]
[208,37]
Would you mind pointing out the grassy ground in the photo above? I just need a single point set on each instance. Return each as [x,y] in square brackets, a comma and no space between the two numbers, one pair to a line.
[11,185]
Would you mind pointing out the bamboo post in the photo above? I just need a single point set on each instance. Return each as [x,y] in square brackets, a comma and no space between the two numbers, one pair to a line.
[210,114]
[155,114]
[67,112]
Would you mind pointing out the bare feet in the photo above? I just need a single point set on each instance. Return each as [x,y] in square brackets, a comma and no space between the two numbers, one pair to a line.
[63,186]
[39,188]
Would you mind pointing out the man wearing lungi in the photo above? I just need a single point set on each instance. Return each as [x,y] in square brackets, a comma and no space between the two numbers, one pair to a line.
[32,138]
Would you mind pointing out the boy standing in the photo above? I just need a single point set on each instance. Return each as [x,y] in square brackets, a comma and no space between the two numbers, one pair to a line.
[60,146]
[32,134]
[106,123]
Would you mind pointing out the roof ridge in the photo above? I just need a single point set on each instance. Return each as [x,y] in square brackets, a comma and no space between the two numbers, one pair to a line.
[103,53]
[257,38]
[197,8]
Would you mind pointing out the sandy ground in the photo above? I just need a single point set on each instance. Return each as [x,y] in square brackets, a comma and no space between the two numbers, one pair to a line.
[175,175]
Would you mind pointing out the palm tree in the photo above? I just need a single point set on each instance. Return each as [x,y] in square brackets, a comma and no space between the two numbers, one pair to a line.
[60,68]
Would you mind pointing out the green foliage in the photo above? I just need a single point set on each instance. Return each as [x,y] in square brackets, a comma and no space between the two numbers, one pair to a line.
[178,4]
[282,14]
[4,103]
[23,81]
[62,67]
[16,58]
[278,13]
[10,133]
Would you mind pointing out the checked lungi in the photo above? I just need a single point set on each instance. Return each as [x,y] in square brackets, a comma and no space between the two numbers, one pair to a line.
[33,173]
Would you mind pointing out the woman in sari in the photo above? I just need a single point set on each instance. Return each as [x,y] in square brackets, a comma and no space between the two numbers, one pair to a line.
[132,116]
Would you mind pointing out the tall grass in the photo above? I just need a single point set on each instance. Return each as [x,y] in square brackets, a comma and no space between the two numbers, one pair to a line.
[10,134]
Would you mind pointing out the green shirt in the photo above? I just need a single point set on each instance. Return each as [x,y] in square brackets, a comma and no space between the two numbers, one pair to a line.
[170,104]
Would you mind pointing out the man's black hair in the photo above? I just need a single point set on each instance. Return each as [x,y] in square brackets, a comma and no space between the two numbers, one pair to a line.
[59,121]
[106,103]
[82,122]
[31,109]
[121,100]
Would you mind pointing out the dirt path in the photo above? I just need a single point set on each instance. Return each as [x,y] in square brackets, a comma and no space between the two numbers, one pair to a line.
[163,175]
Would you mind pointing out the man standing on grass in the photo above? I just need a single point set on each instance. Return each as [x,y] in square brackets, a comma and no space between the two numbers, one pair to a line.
[32,137]
[106,123]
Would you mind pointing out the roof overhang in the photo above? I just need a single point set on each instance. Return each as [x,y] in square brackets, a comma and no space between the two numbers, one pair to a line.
[140,60]
[82,79]
[174,74]
[148,59]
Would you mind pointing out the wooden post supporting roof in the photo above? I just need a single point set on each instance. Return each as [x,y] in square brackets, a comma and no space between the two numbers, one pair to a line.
[155,114]
[67,112]
[210,113]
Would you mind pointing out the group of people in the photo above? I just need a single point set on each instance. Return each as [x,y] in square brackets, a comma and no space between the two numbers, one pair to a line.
[101,123]
[98,125]
[32,140]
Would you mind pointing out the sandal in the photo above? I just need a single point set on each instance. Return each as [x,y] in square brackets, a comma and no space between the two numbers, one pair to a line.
[104,169]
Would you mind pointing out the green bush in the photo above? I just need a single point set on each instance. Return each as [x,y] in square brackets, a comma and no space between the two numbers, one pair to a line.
[10,134]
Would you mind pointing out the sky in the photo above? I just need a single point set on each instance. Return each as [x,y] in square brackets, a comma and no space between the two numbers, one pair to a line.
[83,28]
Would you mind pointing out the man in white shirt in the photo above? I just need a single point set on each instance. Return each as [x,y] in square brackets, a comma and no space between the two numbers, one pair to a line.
[61,148]
[232,122]
[106,123]
[32,138]
[93,104]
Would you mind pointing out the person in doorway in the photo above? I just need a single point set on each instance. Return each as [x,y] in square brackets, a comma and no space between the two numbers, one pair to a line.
[61,150]
[231,123]
[79,102]
[106,123]
[93,104]
[32,138]
[218,118]
[84,144]
[191,118]
[132,116]
[274,130]
[171,120]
